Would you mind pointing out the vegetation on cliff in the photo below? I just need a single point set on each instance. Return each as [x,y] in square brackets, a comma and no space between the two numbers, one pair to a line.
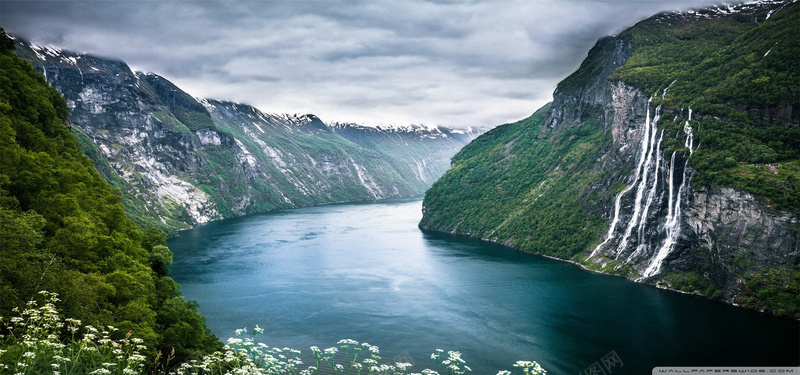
[63,228]
[520,186]
[179,160]
[549,190]
[740,77]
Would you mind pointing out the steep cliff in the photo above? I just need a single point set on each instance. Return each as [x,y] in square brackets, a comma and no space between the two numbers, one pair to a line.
[180,161]
[670,157]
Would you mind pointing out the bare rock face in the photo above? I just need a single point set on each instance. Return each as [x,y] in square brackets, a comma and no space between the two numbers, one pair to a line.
[180,161]
[662,229]
[737,225]
[737,230]
[633,194]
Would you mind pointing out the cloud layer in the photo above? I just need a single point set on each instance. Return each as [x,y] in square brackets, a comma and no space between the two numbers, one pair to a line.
[457,63]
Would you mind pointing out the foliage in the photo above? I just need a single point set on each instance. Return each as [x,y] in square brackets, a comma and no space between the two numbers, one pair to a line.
[739,74]
[776,290]
[63,228]
[244,355]
[40,341]
[692,282]
[536,189]
[522,186]
[591,67]
[136,207]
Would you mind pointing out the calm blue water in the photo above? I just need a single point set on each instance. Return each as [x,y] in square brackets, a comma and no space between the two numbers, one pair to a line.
[313,276]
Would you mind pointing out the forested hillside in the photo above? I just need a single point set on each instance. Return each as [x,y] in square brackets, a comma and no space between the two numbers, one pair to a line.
[670,157]
[63,228]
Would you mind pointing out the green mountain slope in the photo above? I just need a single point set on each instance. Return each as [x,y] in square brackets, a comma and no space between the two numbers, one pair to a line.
[63,228]
[180,161]
[670,157]
[519,187]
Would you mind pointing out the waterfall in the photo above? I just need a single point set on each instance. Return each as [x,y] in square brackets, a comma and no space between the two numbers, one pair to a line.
[672,227]
[687,128]
[640,163]
[653,189]
[647,177]
[614,222]
[672,224]
[648,147]
[646,184]
[671,173]
[642,243]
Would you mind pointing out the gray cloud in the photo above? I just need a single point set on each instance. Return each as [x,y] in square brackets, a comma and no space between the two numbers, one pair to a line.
[457,63]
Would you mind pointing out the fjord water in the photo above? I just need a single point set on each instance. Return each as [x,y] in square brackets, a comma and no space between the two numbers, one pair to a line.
[313,276]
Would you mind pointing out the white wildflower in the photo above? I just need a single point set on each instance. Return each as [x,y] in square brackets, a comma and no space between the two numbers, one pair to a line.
[402,366]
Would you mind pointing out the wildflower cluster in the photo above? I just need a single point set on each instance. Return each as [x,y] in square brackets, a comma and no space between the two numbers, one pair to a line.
[530,368]
[34,344]
[349,360]
[243,355]
[453,364]
[39,341]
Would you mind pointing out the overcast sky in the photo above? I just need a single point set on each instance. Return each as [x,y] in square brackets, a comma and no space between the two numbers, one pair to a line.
[456,63]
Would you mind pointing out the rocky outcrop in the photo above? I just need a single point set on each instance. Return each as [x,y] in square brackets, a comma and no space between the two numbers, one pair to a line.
[661,225]
[623,149]
[736,225]
[662,230]
[180,161]
[586,94]
[734,231]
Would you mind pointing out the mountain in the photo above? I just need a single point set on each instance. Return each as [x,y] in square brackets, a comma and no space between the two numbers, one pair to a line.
[430,145]
[180,161]
[670,157]
[63,230]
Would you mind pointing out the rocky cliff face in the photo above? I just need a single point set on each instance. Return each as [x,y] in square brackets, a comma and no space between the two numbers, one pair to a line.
[662,226]
[664,230]
[180,161]
[624,150]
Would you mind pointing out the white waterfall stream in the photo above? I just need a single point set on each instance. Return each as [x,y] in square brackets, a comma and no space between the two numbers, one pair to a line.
[614,221]
[648,147]
[646,185]
[687,128]
[618,201]
[642,243]
[672,225]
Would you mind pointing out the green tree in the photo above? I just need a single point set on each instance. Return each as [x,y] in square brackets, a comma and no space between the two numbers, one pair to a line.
[63,228]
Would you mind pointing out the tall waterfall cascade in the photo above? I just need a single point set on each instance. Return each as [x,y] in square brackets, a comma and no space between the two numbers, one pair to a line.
[646,224]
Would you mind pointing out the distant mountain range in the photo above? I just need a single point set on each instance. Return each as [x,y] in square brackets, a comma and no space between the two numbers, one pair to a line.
[179,160]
